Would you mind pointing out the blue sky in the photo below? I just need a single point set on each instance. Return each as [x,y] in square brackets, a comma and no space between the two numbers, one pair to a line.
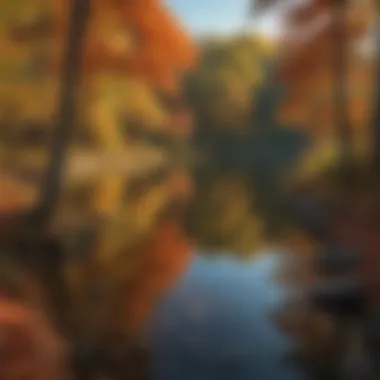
[217,16]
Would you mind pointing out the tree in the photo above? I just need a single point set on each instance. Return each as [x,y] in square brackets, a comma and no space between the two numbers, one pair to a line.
[124,40]
[220,89]
[264,155]
[319,74]
[159,52]
[133,49]
[139,37]
[324,62]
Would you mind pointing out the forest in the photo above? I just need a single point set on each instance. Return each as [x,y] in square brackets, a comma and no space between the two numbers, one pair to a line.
[177,142]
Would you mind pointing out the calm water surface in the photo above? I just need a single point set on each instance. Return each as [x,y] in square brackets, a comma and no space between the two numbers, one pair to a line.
[217,324]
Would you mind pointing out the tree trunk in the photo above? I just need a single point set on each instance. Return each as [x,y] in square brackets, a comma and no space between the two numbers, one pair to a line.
[376,106]
[340,73]
[66,114]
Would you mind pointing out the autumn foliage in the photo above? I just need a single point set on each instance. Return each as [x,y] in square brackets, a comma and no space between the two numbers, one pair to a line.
[15,196]
[313,32]
[30,347]
[165,257]
[139,37]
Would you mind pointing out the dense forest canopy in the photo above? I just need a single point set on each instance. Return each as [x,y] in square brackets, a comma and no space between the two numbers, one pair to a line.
[220,89]
[138,73]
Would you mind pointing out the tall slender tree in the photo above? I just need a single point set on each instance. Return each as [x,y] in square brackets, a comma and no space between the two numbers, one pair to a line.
[317,43]
[376,105]
[66,113]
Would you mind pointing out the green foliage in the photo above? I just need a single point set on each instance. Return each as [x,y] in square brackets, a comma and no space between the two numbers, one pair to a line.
[268,98]
[222,216]
[265,153]
[220,89]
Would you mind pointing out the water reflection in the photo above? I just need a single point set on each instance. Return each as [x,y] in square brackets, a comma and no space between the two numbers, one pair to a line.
[209,313]
[205,314]
[217,323]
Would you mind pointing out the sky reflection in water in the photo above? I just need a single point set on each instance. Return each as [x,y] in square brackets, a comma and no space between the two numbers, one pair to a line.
[216,324]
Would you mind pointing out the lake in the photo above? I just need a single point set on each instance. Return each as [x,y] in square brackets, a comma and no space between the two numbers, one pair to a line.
[217,323]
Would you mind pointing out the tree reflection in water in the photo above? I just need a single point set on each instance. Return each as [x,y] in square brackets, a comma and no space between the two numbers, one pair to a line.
[215,320]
